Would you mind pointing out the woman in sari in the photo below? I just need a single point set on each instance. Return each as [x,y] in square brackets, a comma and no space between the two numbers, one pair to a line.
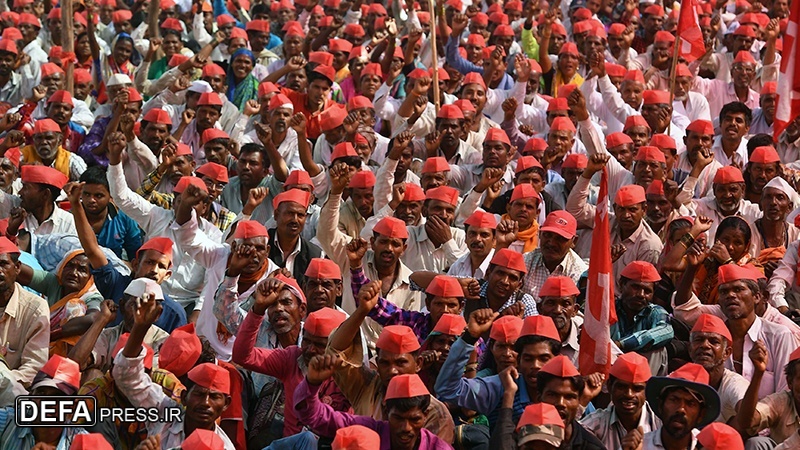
[83,52]
[72,296]
[242,85]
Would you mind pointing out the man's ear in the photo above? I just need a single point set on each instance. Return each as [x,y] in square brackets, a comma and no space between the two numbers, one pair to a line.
[169,274]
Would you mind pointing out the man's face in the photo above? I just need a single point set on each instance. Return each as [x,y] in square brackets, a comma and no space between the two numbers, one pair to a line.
[363,199]
[258,40]
[710,350]
[615,43]
[554,246]
[561,140]
[155,134]
[438,306]
[561,393]
[775,204]
[251,168]
[503,281]
[318,91]
[214,187]
[322,293]
[594,44]
[629,217]
[728,196]
[474,53]
[658,208]
[75,274]
[61,113]
[451,131]
[8,173]
[409,212]
[682,87]
[743,74]
[524,211]
[95,198]
[628,398]
[217,82]
[387,250]
[33,196]
[696,142]
[737,300]
[53,83]
[183,166]
[391,364]
[404,163]
[440,209]
[207,117]
[636,295]
[29,32]
[496,154]
[259,244]
[312,346]
[532,359]
[504,354]
[204,406]
[682,412]
[432,180]
[653,23]
[46,145]
[292,46]
[476,94]
[734,126]
[624,154]
[532,177]
[657,116]
[286,313]
[153,265]
[561,310]
[404,428]
[640,135]
[480,241]
[279,119]
[768,103]
[7,61]
[645,172]
[570,177]
[662,55]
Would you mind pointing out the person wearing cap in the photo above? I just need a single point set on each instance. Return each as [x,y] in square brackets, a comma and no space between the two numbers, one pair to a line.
[208,392]
[660,212]
[763,165]
[59,108]
[497,153]
[501,348]
[480,240]
[684,402]
[448,140]
[287,248]
[41,186]
[278,115]
[288,363]
[658,58]
[419,92]
[720,92]
[772,233]
[558,300]
[208,114]
[687,102]
[253,175]
[16,86]
[539,427]
[697,165]
[718,436]
[629,410]
[730,147]
[764,115]
[462,64]
[46,148]
[566,70]
[397,354]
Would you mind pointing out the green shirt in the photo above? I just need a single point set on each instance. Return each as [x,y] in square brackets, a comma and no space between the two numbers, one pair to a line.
[47,284]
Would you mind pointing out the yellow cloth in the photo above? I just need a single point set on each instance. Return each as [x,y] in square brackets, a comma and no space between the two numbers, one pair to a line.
[61,163]
[558,81]
[69,307]
[529,237]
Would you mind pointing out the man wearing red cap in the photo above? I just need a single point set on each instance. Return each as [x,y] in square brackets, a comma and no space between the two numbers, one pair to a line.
[284,136]
[763,165]
[686,102]
[41,186]
[253,177]
[558,300]
[46,148]
[720,92]
[497,153]
[288,249]
[448,139]
[208,395]
[480,239]
[764,115]
[209,112]
[462,64]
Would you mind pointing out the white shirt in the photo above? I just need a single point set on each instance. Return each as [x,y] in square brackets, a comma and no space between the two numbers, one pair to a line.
[738,157]
[694,107]
[421,254]
[462,268]
[731,392]
[60,222]
[707,207]
[652,440]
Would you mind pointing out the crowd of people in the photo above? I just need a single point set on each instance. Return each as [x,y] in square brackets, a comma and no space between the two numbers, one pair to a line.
[338,224]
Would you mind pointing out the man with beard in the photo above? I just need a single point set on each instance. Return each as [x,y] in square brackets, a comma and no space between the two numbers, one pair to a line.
[253,173]
[629,416]
[14,86]
[60,109]
[730,147]
[290,363]
[205,400]
[177,161]
[480,239]
[697,164]
[46,149]
[209,111]
[288,249]
[140,154]
[684,402]
[283,138]
[688,103]
[660,211]
[720,92]
[763,165]
[764,115]
[398,354]
[643,327]
[435,245]
[497,153]
[771,233]
[656,70]
[728,200]
[710,345]
[153,260]
[355,212]
[383,262]
[558,300]
[448,139]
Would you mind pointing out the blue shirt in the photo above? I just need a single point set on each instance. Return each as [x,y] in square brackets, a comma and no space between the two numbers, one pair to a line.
[120,232]
[649,329]
[112,285]
[274,41]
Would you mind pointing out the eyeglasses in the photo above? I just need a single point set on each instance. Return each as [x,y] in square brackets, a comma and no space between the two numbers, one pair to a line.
[215,186]
[744,69]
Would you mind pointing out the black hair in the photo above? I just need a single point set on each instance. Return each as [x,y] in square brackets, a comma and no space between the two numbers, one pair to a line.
[259,8]
[522,342]
[734,108]
[217,108]
[736,223]
[221,140]
[318,76]
[146,123]
[352,161]
[95,175]
[167,32]
[758,140]
[542,378]
[54,192]
[791,370]
[256,148]
[407,404]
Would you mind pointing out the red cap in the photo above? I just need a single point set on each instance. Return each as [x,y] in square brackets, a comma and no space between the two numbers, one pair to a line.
[744,57]
[702,127]
[745,30]
[258,25]
[650,153]
[417,74]
[224,19]
[216,172]
[661,141]
[719,436]
[90,441]
[405,386]
[43,175]
[509,259]
[359,102]
[445,194]
[326,71]
[450,324]
[293,29]
[209,99]
[655,97]
[476,40]
[506,329]
[266,88]
[634,75]
[159,244]
[641,271]
[664,36]
[392,228]
[372,69]
[356,437]
[211,377]
[29,19]
[480,19]
[280,101]
[302,198]
[539,414]
[731,272]
[297,177]
[340,45]
[616,29]
[654,10]
[173,24]
[46,126]
[770,87]
[343,150]
[656,188]
[561,367]
[158,115]
[185,182]
[148,351]
[424,17]
[575,161]
[248,229]
[134,95]
[682,70]
[61,97]
[562,223]
[569,48]
[617,139]
[473,78]
[503,30]
[497,134]
[8,45]
[322,321]
[728,175]
[413,193]
[63,370]
[631,194]
[526,163]
[213,133]
[635,121]
[534,144]
[355,30]
[435,164]
[615,70]
[795,355]
[212,70]
[557,104]
[331,118]
[450,112]
[559,29]
[562,123]
[522,191]
[446,287]
[6,246]
[765,154]
[566,90]
[183,150]
[708,323]
[82,76]
[363,179]
[558,286]
[202,439]
[322,268]
[540,326]
[397,339]
[177,59]
[482,219]
[167,4]
[631,368]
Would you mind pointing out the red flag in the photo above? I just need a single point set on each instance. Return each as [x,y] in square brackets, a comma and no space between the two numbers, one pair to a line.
[788,106]
[690,36]
[595,354]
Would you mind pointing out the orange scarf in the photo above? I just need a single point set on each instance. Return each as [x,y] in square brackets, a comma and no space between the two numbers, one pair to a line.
[705,282]
[223,334]
[69,307]
[529,237]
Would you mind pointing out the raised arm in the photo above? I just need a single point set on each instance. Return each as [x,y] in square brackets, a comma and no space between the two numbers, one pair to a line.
[748,418]
[367,298]
[331,239]
[82,351]
[126,200]
[577,202]
[85,232]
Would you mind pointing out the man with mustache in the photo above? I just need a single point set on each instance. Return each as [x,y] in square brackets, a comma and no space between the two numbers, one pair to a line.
[60,110]
[358,208]
[660,211]
[697,165]
[558,301]
[686,102]
[283,138]
[721,92]
[710,345]
[288,249]
[209,111]
[480,239]
[728,200]
[448,139]
[253,166]
[763,165]
[436,244]
[47,149]
[497,153]
[683,401]
[764,115]
[657,63]
[629,416]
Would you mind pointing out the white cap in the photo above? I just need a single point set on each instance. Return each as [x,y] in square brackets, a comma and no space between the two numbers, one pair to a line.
[142,286]
[200,86]
[118,79]
[781,185]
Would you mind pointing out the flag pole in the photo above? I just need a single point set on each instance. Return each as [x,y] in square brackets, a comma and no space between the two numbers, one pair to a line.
[434,56]
[675,52]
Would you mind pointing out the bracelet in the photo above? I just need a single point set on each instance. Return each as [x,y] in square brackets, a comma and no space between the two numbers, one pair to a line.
[728,261]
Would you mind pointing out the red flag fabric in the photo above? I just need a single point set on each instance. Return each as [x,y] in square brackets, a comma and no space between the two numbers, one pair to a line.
[692,46]
[788,106]
[595,354]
